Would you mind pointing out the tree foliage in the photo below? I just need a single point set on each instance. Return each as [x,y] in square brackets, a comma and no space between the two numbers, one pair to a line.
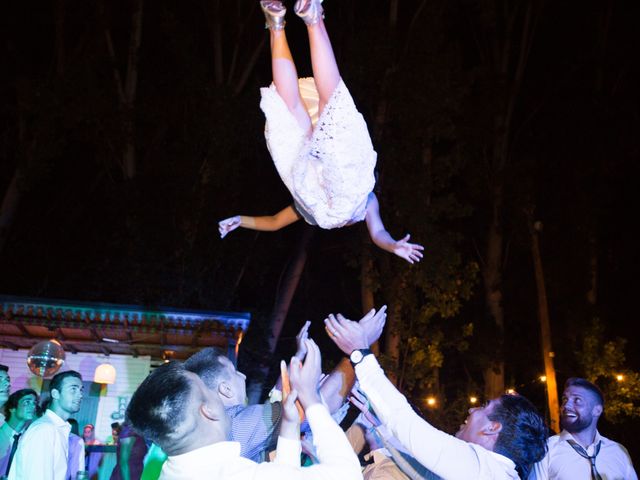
[604,363]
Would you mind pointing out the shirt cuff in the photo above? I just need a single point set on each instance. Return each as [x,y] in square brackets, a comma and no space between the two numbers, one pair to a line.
[367,365]
[316,410]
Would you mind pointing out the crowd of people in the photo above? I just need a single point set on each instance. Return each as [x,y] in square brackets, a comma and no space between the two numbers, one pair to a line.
[196,412]
[39,438]
[350,424]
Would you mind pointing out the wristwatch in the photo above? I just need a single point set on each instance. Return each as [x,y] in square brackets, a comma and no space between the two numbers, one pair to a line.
[358,355]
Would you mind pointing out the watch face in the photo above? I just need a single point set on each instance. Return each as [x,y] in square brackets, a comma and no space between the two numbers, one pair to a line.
[356,356]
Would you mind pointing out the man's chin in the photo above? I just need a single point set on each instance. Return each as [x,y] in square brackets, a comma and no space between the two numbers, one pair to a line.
[573,425]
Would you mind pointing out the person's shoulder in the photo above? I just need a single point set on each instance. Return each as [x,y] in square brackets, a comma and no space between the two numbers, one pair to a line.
[42,423]
[613,445]
[247,411]
[6,433]
[553,440]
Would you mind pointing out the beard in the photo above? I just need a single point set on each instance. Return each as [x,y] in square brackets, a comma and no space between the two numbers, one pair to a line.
[575,426]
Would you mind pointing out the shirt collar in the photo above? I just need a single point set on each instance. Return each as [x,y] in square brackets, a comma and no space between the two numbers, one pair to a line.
[56,420]
[564,435]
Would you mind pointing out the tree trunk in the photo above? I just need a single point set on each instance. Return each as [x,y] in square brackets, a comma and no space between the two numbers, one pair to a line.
[592,294]
[59,41]
[492,274]
[284,297]
[393,329]
[504,49]
[366,280]
[545,329]
[392,350]
[127,90]
[13,194]
[216,33]
[9,206]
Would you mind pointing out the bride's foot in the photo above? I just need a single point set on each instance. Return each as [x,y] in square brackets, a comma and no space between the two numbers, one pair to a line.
[273,13]
[309,10]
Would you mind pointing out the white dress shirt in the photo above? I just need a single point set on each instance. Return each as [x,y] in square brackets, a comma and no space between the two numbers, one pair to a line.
[222,460]
[7,435]
[443,454]
[42,451]
[562,462]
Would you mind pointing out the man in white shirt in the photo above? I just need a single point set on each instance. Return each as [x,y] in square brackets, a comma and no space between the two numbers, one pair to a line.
[579,451]
[256,426]
[20,410]
[43,449]
[174,409]
[500,440]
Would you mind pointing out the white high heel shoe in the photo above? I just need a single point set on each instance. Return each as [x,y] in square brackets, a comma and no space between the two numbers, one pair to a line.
[274,13]
[309,10]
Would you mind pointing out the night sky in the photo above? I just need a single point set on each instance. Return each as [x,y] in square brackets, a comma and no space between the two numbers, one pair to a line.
[81,228]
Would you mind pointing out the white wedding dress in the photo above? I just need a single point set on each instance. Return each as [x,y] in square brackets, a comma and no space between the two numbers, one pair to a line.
[330,173]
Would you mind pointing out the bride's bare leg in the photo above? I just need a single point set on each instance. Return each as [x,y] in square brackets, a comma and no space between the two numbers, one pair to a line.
[285,76]
[323,61]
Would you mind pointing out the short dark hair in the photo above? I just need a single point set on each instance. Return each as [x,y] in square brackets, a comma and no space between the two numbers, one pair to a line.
[159,406]
[15,397]
[523,437]
[206,364]
[587,385]
[4,368]
[58,379]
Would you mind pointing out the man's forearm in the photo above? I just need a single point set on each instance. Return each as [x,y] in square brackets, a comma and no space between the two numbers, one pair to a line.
[336,387]
[438,451]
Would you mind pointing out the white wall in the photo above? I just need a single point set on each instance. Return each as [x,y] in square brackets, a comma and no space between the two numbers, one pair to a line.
[130,372]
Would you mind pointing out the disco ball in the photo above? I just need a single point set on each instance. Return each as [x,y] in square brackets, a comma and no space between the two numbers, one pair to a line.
[45,358]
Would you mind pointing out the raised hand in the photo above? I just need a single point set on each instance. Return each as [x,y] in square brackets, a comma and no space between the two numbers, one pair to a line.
[373,324]
[228,225]
[346,334]
[289,409]
[303,334]
[411,252]
[305,377]
[291,415]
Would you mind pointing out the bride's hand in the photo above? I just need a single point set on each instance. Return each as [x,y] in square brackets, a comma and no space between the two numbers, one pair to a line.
[411,252]
[228,225]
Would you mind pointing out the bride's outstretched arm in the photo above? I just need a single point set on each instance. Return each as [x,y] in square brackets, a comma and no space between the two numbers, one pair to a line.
[268,223]
[411,252]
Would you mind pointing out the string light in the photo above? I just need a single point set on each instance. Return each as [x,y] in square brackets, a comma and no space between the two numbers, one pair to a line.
[511,391]
[431,401]
[542,378]
[620,377]
[473,400]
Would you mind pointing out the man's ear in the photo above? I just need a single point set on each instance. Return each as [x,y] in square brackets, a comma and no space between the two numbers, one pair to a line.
[209,412]
[225,390]
[492,428]
[596,411]
[55,394]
